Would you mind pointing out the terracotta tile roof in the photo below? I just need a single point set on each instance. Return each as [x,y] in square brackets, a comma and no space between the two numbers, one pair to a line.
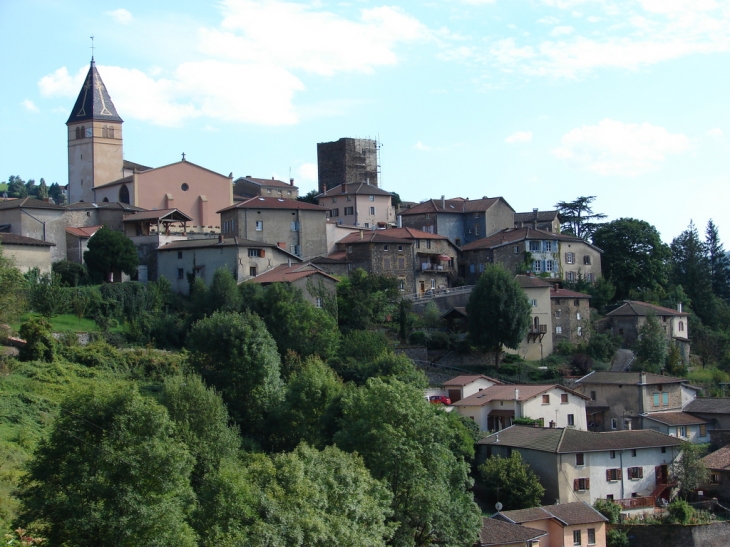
[507,393]
[159,214]
[718,460]
[565,293]
[286,274]
[674,418]
[373,236]
[351,188]
[498,532]
[230,242]
[518,516]
[709,405]
[569,514]
[81,205]
[635,308]
[560,440]
[135,166]
[331,259]
[15,239]
[513,235]
[83,231]
[627,378]
[453,205]
[411,233]
[542,216]
[28,203]
[274,203]
[532,282]
[266,182]
[466,379]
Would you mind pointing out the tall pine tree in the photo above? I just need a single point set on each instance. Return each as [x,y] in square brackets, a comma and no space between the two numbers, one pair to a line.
[719,262]
[690,268]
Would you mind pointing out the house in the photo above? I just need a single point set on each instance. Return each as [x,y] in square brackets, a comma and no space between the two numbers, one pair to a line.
[380,254]
[548,254]
[336,232]
[460,220]
[496,407]
[538,341]
[547,221]
[315,284]
[456,319]
[463,386]
[359,204]
[575,523]
[110,214]
[334,264]
[628,318]
[718,465]
[716,410]
[682,425]
[296,226]
[27,252]
[35,219]
[77,241]
[628,467]
[622,399]
[182,261]
[347,160]
[571,316]
[249,187]
[500,533]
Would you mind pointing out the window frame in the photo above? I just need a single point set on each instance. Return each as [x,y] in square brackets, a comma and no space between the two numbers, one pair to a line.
[259,225]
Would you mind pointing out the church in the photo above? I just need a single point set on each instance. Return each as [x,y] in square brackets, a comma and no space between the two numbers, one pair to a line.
[98,172]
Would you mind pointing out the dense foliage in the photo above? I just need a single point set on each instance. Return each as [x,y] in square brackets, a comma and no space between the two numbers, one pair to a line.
[511,482]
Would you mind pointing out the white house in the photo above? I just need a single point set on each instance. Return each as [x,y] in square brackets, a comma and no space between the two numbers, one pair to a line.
[682,425]
[628,467]
[465,385]
[497,406]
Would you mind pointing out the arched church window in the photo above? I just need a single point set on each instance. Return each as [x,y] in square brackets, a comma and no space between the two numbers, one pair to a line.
[79,132]
[536,322]
[105,132]
[124,194]
[111,132]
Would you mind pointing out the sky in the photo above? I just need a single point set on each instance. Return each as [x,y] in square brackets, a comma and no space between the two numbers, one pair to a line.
[537,101]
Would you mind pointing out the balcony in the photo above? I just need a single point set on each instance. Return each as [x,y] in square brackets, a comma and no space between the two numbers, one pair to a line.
[636,503]
[426,267]
[536,332]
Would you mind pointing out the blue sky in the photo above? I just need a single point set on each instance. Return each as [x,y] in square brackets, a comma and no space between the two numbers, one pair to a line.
[537,100]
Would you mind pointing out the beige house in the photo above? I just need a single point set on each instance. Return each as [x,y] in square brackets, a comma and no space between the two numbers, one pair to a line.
[575,523]
[27,252]
[35,219]
[315,284]
[248,187]
[500,533]
[336,232]
[296,226]
[547,221]
[359,204]
[496,407]
[538,342]
[180,261]
[465,385]
[77,241]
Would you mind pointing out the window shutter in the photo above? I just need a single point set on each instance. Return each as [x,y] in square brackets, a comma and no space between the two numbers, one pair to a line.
[630,473]
[608,475]
[588,484]
[262,253]
[620,474]
[576,484]
[641,472]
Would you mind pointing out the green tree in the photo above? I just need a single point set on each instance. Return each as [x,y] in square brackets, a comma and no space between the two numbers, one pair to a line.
[47,294]
[511,482]
[56,194]
[680,512]
[602,292]
[16,187]
[577,217]
[690,268]
[237,356]
[12,290]
[609,509]
[365,299]
[42,192]
[223,295]
[310,197]
[110,473]
[651,348]
[719,262]
[110,252]
[688,469]
[413,447]
[634,256]
[72,274]
[498,313]
[39,342]
[617,538]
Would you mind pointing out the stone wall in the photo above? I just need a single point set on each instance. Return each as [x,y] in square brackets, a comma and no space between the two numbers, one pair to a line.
[674,535]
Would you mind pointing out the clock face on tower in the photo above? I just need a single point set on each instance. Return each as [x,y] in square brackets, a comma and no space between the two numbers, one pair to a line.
[89,132]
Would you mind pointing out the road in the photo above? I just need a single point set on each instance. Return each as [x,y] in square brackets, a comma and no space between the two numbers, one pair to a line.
[622,360]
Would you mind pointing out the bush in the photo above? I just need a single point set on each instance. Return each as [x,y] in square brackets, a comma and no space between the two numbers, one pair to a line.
[564,347]
[602,346]
[512,358]
[418,338]
[581,363]
[680,512]
[609,509]
[438,340]
[39,342]
[617,538]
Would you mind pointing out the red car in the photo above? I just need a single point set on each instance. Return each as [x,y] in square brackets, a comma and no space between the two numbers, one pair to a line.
[439,400]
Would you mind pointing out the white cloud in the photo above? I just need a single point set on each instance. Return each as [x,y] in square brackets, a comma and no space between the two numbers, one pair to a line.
[29,105]
[562,31]
[616,148]
[121,16]
[549,20]
[308,171]
[519,137]
[715,133]
[420,146]
[61,84]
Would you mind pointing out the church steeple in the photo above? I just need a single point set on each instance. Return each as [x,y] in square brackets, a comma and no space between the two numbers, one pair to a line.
[93,102]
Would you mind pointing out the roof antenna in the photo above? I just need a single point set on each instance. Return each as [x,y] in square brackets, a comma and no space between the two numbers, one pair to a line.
[92,49]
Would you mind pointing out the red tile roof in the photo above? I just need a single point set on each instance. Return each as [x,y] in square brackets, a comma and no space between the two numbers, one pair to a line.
[286,274]
[507,393]
[466,379]
[499,532]
[628,378]
[28,203]
[531,282]
[266,182]
[674,418]
[351,188]
[570,514]
[411,233]
[513,235]
[83,231]
[565,293]
[718,460]
[15,239]
[274,203]
[372,236]
[635,308]
[453,205]
[159,214]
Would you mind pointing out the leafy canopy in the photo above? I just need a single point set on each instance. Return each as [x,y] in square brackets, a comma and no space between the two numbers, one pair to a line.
[511,482]
[110,251]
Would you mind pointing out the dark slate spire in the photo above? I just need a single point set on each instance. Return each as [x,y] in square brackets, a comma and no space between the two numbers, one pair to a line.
[94,102]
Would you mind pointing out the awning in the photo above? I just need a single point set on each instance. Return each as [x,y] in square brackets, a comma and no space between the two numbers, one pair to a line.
[444,257]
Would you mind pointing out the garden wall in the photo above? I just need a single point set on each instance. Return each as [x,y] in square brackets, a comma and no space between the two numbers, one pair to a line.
[674,535]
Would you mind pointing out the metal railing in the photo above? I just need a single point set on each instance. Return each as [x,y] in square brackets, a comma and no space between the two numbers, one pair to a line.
[436,293]
[636,503]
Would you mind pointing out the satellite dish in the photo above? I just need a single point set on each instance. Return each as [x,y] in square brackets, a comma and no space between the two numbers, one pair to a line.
[498,506]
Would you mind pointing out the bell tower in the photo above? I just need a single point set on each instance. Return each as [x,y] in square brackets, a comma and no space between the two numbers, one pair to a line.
[95,154]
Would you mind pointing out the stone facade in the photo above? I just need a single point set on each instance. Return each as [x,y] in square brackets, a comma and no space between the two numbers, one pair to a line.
[360,205]
[347,161]
[386,256]
[571,316]
[37,220]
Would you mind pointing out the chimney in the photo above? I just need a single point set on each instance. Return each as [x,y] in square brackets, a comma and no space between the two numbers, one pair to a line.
[399,221]
[272,178]
[344,187]
[443,202]
[517,394]
[534,222]
[281,245]
[642,377]
[288,263]
[291,182]
[361,235]
[367,181]
[679,307]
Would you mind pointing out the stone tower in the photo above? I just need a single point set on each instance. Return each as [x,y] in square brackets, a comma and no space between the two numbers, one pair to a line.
[347,161]
[94,140]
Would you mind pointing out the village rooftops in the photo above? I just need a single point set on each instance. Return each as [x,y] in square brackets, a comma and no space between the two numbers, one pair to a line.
[531,282]
[709,405]
[542,216]
[354,188]
[514,392]
[565,293]
[286,274]
[15,239]
[674,418]
[28,203]
[569,514]
[274,203]
[719,460]
[566,440]
[499,532]
[466,379]
[228,242]
[83,231]
[453,205]
[634,308]
[372,236]
[411,233]
[510,236]
[174,215]
[267,182]
[628,378]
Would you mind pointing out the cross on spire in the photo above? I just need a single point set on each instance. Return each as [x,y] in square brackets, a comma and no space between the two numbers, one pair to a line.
[183,155]
[92,48]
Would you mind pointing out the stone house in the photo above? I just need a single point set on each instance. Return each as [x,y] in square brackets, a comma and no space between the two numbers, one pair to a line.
[538,341]
[628,467]
[573,523]
[84,214]
[380,254]
[77,242]
[571,316]
[620,400]
[315,284]
[682,425]
[500,533]
[27,252]
[460,220]
[463,386]
[519,250]
[359,204]
[296,226]
[629,317]
[718,465]
[36,219]
[546,221]
[715,410]
[496,407]
[178,261]
[248,187]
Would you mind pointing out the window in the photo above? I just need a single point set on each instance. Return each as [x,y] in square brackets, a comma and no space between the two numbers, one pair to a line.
[656,399]
[179,255]
[180,273]
[703,431]
[570,258]
[402,284]
[268,190]
[546,399]
[477,215]
[517,251]
[571,419]
[255,253]
[590,277]
[295,226]
[428,244]
[537,266]
[563,398]
[570,276]
[613,474]
[558,330]
[334,200]
[587,259]
[105,132]
[335,213]
[593,395]
[580,459]
[259,225]
[665,398]
[349,249]
[614,423]
[476,229]
[372,198]
[681,431]
[372,210]
[319,302]
[547,246]
[386,263]
[681,326]
[715,478]
[367,225]
[612,454]
[252,271]
[635,473]
[557,314]
[577,316]
[576,537]
[400,248]
[581,484]
[579,331]
[535,246]
[533,301]
[349,211]
[349,198]
[591,536]
[633,452]
[548,265]
[385,248]
[664,449]
[576,303]
[401,263]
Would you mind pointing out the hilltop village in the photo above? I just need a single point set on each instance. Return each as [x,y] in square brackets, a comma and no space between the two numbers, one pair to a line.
[239,364]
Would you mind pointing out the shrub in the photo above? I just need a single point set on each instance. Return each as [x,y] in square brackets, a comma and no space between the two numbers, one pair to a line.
[438,340]
[512,358]
[581,363]
[39,342]
[418,338]
[603,345]
[564,347]
[617,538]
[609,509]
[680,512]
